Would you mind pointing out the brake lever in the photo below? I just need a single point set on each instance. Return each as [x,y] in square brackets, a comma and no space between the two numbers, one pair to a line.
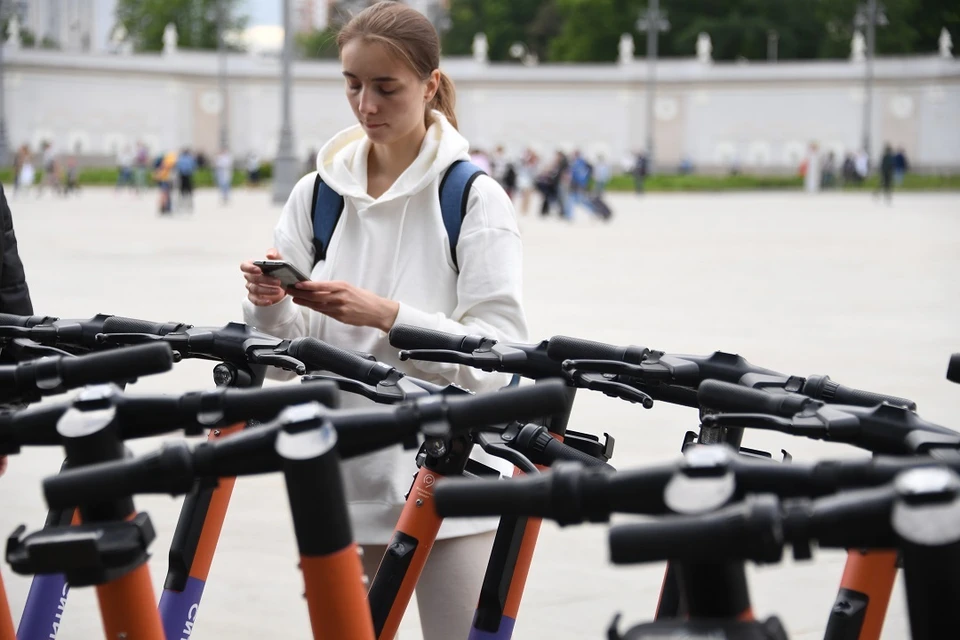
[15,332]
[385,395]
[614,367]
[26,347]
[127,338]
[759,421]
[614,389]
[494,445]
[278,360]
[430,388]
[439,355]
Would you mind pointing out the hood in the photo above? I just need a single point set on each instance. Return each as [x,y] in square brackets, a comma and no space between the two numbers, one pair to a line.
[342,162]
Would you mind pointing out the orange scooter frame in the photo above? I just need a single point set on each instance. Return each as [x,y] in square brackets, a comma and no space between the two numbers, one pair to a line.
[336,596]
[6,618]
[329,558]
[506,576]
[401,566]
[865,589]
[127,607]
[193,547]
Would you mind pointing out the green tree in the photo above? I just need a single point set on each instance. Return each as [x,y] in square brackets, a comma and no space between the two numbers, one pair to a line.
[505,22]
[26,37]
[589,30]
[741,28]
[320,43]
[914,26]
[145,21]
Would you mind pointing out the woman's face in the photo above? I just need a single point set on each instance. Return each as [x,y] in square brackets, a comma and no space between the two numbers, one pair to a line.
[387,97]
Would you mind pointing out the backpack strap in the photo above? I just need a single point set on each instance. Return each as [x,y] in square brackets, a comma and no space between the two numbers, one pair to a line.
[327,207]
[454,195]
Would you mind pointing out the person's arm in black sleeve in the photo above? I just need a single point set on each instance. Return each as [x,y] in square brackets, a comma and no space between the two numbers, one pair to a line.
[14,293]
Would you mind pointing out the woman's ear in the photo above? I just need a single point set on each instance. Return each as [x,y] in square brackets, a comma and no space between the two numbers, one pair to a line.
[433,85]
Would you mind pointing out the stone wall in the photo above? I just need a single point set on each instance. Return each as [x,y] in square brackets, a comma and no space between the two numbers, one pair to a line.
[761,116]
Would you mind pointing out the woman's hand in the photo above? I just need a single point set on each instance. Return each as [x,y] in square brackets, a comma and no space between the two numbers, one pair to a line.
[263,291]
[346,303]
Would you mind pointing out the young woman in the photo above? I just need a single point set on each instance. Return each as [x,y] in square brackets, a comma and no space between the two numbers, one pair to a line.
[389,262]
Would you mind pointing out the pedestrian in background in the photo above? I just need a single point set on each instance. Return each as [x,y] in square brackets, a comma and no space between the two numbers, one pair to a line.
[125,159]
[186,168]
[887,167]
[140,163]
[526,178]
[639,172]
[24,172]
[861,165]
[223,167]
[900,166]
[163,176]
[253,169]
[829,176]
[810,169]
[71,176]
[601,176]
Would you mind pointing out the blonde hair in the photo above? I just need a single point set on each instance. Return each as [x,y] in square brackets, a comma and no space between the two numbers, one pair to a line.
[409,34]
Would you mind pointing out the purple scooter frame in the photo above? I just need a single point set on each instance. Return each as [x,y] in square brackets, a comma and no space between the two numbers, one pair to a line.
[44,607]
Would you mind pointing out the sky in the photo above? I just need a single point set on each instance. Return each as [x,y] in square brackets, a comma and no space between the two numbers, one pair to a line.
[264,12]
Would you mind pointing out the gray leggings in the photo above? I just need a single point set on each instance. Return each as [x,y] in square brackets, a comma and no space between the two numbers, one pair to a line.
[449,586]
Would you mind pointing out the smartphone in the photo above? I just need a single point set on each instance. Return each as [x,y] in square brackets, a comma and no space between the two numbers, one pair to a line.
[286,273]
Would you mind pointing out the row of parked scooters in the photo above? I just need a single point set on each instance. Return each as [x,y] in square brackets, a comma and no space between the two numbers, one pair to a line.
[720,506]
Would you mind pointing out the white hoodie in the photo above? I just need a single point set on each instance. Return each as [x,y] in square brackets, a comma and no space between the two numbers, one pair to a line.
[397,247]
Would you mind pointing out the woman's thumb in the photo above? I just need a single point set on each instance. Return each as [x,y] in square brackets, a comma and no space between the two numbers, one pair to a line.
[273,254]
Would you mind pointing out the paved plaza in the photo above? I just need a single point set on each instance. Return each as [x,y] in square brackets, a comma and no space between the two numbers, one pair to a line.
[837,284]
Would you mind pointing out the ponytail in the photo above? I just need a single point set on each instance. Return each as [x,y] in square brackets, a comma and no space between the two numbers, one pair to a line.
[445,100]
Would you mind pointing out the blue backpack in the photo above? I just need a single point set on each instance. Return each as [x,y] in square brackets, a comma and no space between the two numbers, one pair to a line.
[454,194]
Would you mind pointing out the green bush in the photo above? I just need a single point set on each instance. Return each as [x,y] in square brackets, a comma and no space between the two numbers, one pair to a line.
[624,182]
[693,182]
[93,177]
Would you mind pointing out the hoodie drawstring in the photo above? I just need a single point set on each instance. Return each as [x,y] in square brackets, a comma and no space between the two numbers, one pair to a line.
[396,248]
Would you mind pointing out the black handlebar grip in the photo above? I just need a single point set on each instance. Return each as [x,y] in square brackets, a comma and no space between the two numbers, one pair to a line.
[406,336]
[953,369]
[823,388]
[544,399]
[726,396]
[169,470]
[555,451]
[265,404]
[319,355]
[848,519]
[562,348]
[118,324]
[116,365]
[10,320]
[745,531]
[859,397]
[523,496]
